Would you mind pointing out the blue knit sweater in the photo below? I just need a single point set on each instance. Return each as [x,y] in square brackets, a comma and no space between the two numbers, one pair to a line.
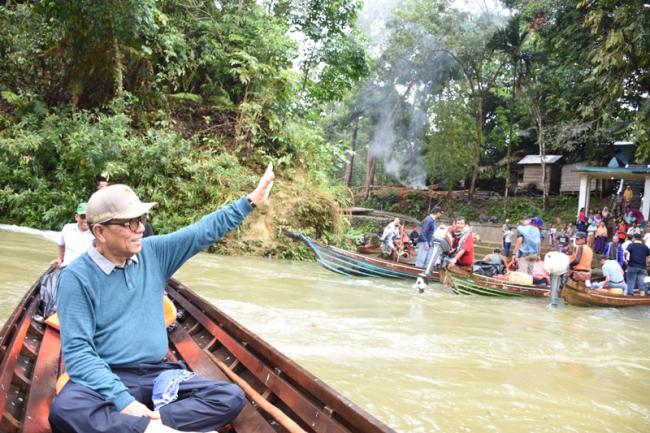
[113,316]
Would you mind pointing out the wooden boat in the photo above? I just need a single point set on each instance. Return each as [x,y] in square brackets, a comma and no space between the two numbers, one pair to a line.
[576,293]
[375,252]
[354,264]
[466,282]
[210,343]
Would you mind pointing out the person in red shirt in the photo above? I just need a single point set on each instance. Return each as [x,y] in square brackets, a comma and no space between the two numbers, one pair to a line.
[621,232]
[463,246]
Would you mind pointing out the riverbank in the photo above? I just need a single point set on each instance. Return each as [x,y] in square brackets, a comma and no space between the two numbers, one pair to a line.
[485,205]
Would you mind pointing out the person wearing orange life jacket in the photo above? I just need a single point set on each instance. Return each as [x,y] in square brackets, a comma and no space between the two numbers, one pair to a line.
[463,243]
[580,260]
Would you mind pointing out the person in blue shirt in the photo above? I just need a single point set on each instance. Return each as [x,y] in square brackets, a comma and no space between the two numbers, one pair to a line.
[113,336]
[527,247]
[428,227]
[613,273]
[614,251]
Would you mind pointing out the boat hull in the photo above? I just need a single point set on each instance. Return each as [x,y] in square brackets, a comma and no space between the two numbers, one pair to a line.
[468,283]
[576,293]
[354,264]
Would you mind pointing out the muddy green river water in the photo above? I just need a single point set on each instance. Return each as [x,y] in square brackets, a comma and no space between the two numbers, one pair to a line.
[432,362]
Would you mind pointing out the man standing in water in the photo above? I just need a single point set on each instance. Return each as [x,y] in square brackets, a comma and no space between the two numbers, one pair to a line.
[428,227]
[113,336]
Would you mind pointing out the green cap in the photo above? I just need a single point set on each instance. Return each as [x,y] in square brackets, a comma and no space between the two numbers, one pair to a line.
[81,208]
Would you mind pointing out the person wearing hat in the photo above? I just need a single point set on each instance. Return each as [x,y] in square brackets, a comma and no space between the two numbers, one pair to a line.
[113,336]
[425,240]
[580,259]
[527,246]
[75,239]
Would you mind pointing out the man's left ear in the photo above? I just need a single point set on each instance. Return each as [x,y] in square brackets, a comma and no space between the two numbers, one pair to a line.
[98,231]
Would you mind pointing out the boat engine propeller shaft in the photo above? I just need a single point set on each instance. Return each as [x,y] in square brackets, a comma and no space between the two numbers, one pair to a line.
[556,264]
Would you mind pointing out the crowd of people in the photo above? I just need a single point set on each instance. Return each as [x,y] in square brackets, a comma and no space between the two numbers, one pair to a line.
[618,240]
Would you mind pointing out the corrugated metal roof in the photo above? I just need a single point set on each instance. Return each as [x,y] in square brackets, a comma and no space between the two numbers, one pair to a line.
[536,159]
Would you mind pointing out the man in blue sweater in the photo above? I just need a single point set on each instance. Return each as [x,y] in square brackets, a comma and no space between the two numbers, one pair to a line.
[113,335]
[428,227]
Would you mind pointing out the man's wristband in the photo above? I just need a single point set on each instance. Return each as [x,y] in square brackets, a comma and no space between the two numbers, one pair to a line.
[250,202]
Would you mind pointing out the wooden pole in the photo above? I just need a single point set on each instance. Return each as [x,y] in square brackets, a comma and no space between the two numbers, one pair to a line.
[276,413]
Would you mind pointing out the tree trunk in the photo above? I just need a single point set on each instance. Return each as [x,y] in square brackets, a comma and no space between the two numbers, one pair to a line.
[537,117]
[371,163]
[513,100]
[477,145]
[347,180]
[118,64]
[508,185]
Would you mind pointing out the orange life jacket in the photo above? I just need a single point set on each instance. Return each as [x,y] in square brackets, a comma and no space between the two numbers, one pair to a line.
[585,259]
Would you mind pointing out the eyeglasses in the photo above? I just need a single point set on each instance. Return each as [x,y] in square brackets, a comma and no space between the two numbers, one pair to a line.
[133,224]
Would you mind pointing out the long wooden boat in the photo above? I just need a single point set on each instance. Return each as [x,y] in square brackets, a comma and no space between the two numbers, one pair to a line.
[354,264]
[576,293]
[211,343]
[468,283]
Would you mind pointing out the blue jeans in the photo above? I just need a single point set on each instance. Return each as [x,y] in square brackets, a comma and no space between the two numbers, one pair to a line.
[635,280]
[424,255]
[506,249]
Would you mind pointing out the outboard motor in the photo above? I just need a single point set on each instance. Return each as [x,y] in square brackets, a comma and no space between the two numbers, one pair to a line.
[441,244]
[556,264]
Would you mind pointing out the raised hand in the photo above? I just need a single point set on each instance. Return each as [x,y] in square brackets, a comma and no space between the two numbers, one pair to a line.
[261,193]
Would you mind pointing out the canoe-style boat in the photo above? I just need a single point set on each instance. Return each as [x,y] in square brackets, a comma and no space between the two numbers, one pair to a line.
[468,283]
[282,396]
[354,264]
[576,293]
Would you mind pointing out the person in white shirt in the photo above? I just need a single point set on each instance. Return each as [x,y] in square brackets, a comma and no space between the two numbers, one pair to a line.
[613,273]
[75,239]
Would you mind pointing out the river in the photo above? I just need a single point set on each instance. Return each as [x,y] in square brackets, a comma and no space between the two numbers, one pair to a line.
[432,362]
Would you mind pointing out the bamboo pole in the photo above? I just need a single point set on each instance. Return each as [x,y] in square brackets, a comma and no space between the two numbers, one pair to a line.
[280,417]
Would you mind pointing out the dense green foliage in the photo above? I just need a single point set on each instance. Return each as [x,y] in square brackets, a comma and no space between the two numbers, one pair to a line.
[185,101]
[467,90]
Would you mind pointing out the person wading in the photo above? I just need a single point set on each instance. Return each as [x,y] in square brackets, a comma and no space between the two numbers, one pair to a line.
[425,240]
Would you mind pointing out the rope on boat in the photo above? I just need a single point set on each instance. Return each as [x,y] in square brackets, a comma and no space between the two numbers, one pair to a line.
[277,414]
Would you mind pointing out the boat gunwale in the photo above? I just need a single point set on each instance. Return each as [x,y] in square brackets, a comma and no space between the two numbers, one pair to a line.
[273,357]
[504,287]
[576,293]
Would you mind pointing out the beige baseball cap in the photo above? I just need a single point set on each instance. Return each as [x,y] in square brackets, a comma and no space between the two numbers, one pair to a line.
[115,202]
